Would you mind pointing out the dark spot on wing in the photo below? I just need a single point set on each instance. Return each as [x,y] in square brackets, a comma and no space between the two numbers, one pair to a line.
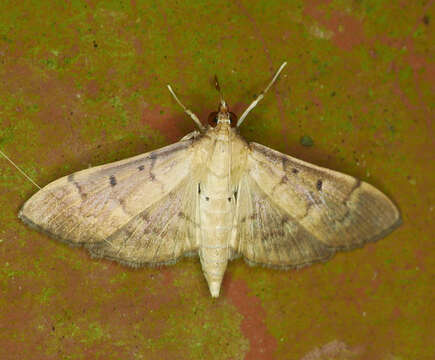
[144,216]
[295,171]
[277,233]
[83,195]
[354,187]
[319,184]
[284,219]
[229,199]
[199,188]
[153,158]
[112,180]
[184,216]
[140,168]
[285,162]
[207,198]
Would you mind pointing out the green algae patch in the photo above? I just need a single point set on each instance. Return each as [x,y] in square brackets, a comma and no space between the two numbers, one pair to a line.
[307,141]
[45,295]
[94,333]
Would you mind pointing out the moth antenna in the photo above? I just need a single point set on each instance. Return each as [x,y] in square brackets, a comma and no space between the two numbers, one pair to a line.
[186,110]
[218,88]
[261,96]
[21,171]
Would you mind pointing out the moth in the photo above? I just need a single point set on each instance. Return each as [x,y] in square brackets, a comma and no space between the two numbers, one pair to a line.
[215,195]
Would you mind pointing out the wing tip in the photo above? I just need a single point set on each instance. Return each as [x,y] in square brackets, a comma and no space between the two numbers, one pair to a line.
[26,220]
[31,224]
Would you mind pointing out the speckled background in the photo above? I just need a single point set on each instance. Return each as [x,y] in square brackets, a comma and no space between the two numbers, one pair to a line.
[83,83]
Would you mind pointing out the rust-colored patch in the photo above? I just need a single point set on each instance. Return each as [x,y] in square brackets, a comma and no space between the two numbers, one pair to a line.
[174,127]
[92,89]
[262,343]
[347,31]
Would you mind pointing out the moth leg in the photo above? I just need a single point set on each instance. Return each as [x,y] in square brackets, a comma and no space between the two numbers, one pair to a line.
[186,110]
[190,135]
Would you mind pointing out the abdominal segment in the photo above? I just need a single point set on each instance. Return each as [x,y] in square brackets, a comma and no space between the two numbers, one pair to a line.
[216,220]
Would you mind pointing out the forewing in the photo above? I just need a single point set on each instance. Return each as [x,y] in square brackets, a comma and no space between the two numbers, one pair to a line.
[304,213]
[268,235]
[159,234]
[111,205]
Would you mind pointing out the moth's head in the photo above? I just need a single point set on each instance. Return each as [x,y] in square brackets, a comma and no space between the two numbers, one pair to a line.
[222,116]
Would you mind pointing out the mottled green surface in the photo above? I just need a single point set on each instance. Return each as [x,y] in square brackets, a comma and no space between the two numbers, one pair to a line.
[83,82]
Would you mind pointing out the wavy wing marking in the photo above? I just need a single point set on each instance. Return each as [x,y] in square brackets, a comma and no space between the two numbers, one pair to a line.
[137,210]
[292,213]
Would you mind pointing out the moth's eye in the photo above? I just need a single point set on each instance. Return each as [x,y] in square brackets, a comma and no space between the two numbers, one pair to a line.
[233,118]
[212,118]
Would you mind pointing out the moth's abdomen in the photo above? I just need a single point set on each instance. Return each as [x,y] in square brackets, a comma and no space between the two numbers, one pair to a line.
[216,213]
